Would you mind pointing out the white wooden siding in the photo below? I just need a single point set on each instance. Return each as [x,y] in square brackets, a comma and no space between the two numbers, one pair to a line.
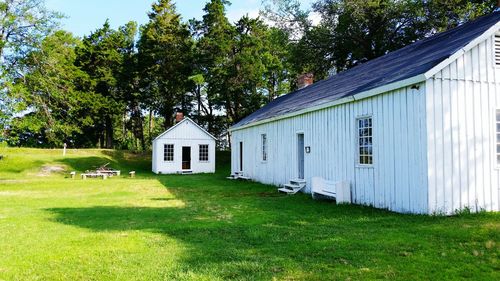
[397,180]
[460,103]
[188,134]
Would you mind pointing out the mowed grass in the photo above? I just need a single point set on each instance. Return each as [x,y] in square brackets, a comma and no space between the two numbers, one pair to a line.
[204,227]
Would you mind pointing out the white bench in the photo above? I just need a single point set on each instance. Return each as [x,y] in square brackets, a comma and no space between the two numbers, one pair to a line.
[94,175]
[340,190]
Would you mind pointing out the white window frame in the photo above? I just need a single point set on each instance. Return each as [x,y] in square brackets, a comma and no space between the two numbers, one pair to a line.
[264,144]
[358,145]
[199,153]
[165,152]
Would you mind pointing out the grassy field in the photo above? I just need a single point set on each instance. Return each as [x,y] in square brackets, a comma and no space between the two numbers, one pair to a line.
[204,227]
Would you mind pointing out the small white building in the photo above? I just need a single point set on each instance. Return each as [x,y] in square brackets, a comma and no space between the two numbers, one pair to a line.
[414,131]
[184,149]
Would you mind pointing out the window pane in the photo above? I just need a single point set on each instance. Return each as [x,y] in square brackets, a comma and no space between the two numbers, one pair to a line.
[264,147]
[168,152]
[365,141]
[203,151]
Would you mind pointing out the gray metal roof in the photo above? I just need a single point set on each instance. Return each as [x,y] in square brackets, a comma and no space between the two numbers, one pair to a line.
[405,63]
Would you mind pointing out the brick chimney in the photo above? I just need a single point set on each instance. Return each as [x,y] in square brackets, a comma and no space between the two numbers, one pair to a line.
[305,80]
[179,116]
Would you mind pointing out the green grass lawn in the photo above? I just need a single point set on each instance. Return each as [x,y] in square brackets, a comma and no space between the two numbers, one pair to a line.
[204,227]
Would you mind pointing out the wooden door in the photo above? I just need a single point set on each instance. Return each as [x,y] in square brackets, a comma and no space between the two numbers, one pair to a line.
[300,155]
[186,158]
[241,156]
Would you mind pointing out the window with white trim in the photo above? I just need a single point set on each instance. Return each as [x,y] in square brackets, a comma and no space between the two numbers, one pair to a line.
[203,152]
[263,138]
[168,152]
[497,130]
[365,141]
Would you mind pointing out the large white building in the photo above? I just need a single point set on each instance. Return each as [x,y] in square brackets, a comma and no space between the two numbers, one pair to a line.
[184,149]
[414,131]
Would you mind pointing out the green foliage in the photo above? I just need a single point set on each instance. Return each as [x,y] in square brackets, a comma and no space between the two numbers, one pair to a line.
[23,25]
[50,91]
[120,88]
[355,31]
[102,56]
[205,227]
[165,49]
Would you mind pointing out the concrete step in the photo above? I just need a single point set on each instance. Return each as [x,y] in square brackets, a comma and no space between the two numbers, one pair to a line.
[298,181]
[292,186]
[286,190]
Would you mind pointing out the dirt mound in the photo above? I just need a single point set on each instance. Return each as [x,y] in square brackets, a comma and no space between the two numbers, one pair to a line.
[46,170]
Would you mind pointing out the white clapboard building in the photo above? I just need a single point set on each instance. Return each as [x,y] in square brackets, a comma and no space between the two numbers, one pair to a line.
[414,131]
[185,148]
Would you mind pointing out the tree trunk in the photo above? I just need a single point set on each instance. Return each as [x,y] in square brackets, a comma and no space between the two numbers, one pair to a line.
[101,139]
[168,115]
[109,132]
[138,126]
[198,96]
[150,125]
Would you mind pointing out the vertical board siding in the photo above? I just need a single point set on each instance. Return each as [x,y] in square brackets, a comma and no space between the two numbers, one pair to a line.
[396,181]
[189,134]
[460,104]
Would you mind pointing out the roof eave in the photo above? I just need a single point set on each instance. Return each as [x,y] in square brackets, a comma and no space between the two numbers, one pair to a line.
[489,32]
[363,95]
[382,89]
[183,120]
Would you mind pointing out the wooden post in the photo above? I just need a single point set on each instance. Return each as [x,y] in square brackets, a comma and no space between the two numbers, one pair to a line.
[64,149]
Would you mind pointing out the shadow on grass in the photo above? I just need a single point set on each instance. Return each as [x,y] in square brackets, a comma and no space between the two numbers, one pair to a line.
[246,230]
[82,164]
[119,160]
[239,231]
[18,168]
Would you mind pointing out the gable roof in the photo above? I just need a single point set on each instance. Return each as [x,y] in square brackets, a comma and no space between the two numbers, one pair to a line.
[184,120]
[400,68]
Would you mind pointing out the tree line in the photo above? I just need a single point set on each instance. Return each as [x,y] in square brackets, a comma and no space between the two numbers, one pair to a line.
[119,88]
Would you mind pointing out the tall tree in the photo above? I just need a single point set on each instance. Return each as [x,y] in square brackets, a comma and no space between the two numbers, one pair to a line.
[212,54]
[165,51]
[102,57]
[354,31]
[23,24]
[128,84]
[58,110]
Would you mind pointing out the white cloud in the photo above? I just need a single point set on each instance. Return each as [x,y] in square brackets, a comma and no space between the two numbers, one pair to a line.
[315,18]
[235,15]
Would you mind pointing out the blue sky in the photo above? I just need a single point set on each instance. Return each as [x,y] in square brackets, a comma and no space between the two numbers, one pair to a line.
[84,16]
